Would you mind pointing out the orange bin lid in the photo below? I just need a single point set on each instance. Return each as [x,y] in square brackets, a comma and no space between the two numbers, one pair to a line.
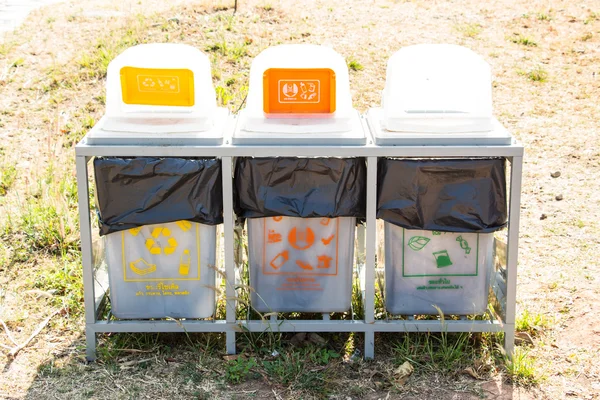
[157,87]
[299,91]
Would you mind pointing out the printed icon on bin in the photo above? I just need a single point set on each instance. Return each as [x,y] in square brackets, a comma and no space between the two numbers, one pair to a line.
[154,247]
[442,259]
[185,263]
[301,239]
[142,267]
[299,91]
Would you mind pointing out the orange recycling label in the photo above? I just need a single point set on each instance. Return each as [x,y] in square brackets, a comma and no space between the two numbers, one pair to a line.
[157,87]
[299,91]
[308,246]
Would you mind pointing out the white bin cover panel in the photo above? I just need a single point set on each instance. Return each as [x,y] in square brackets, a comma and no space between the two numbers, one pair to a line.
[161,68]
[301,264]
[162,270]
[299,56]
[429,269]
[437,88]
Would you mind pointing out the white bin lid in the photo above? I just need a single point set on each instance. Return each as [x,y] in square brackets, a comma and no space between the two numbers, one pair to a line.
[307,100]
[437,88]
[160,88]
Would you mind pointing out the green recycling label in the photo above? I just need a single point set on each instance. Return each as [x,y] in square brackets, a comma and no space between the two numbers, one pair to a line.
[434,253]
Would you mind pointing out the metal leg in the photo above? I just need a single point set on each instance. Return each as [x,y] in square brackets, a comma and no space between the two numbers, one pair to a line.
[230,337]
[369,345]
[229,249]
[86,253]
[509,339]
[370,253]
[513,252]
[90,343]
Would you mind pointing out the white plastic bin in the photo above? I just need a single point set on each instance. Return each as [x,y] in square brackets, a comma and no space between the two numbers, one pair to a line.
[162,270]
[301,264]
[429,269]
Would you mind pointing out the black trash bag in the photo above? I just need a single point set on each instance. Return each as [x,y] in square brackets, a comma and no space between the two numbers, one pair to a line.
[459,195]
[300,187]
[140,191]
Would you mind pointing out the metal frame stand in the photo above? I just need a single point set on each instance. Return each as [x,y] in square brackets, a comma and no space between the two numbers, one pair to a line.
[505,322]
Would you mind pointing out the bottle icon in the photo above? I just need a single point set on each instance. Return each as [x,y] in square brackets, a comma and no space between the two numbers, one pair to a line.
[185,262]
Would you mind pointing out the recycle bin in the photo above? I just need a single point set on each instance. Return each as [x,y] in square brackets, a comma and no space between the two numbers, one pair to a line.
[440,214]
[302,262]
[301,212]
[158,216]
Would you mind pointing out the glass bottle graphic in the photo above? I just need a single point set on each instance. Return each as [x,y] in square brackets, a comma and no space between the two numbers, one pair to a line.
[185,262]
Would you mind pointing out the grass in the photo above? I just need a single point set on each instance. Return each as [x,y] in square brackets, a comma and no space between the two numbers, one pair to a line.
[94,64]
[239,369]
[521,368]
[8,175]
[470,30]
[537,74]
[523,40]
[532,323]
[544,16]
[354,65]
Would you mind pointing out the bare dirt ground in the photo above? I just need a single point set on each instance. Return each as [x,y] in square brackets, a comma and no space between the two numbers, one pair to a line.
[545,57]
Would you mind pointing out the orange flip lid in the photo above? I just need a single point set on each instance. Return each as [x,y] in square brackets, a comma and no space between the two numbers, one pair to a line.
[299,91]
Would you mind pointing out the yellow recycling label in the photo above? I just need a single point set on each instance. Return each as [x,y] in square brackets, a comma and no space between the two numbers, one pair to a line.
[161,252]
[157,86]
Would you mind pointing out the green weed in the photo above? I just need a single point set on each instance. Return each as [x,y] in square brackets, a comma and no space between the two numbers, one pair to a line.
[18,62]
[289,369]
[522,40]
[233,52]
[543,16]
[538,74]
[531,323]
[240,369]
[591,18]
[63,278]
[6,47]
[94,64]
[355,65]
[438,352]
[8,175]
[224,96]
[471,30]
[323,356]
[521,367]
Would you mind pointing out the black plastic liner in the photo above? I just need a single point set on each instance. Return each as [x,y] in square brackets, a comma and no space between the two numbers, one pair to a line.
[300,187]
[140,191]
[443,195]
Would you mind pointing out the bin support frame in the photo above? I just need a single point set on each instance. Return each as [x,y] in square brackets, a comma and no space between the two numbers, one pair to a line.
[230,325]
